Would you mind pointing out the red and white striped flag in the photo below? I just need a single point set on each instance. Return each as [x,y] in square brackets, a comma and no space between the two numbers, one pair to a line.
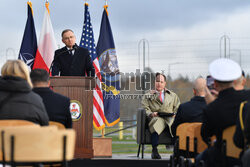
[47,43]
[87,41]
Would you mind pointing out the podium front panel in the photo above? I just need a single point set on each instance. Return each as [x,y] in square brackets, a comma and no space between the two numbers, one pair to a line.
[79,89]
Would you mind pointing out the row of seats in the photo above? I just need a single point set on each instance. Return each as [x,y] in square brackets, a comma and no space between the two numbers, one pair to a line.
[23,142]
[188,142]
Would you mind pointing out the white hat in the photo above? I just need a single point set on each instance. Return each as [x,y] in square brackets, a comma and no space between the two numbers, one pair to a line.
[225,70]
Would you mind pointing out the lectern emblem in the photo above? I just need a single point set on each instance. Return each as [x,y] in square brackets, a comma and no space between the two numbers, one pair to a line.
[75,110]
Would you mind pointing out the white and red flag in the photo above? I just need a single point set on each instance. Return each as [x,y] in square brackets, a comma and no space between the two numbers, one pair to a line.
[47,43]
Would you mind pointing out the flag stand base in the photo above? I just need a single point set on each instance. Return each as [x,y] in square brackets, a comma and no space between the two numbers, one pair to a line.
[102,147]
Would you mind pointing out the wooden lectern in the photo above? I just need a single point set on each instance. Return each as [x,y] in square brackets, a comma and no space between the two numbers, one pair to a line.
[79,89]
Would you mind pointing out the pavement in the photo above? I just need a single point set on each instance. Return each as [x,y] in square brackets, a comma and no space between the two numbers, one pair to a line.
[147,156]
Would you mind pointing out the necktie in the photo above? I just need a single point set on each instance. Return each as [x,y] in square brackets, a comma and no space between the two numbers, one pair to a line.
[160,97]
[71,52]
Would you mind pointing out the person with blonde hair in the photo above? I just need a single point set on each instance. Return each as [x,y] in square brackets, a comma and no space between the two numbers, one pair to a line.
[17,101]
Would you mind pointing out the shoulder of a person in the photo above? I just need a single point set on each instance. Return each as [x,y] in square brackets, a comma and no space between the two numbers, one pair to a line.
[185,104]
[245,93]
[170,92]
[149,92]
[83,49]
[60,50]
[34,95]
[60,96]
[35,99]
[212,106]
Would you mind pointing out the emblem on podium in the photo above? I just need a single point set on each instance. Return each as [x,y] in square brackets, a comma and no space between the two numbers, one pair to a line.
[75,110]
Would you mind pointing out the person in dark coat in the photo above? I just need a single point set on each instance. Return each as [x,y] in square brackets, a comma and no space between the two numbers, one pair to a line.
[17,101]
[223,111]
[57,106]
[72,60]
[192,110]
[242,133]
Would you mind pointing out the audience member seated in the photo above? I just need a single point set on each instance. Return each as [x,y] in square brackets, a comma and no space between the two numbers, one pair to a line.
[243,127]
[242,133]
[160,101]
[192,110]
[223,111]
[57,106]
[238,85]
[17,101]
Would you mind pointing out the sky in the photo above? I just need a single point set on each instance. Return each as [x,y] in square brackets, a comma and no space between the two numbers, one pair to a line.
[181,37]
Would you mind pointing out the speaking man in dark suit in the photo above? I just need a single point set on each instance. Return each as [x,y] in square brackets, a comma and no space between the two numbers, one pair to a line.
[192,110]
[72,60]
[57,106]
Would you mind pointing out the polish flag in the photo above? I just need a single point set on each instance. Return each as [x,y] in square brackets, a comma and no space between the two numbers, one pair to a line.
[47,43]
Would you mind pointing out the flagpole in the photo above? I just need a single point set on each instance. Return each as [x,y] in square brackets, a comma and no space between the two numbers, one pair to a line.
[103,131]
[105,7]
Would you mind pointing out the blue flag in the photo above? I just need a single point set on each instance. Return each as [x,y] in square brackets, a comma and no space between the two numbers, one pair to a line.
[28,48]
[110,71]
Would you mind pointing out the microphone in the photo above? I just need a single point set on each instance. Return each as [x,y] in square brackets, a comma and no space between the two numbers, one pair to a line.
[56,56]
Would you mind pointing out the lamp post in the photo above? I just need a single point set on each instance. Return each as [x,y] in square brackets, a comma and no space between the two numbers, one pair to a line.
[144,43]
[225,38]
[169,71]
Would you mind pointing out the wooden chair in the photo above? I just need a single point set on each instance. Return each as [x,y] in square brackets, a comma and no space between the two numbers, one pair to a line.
[38,145]
[229,148]
[189,138]
[188,141]
[15,122]
[144,135]
[57,124]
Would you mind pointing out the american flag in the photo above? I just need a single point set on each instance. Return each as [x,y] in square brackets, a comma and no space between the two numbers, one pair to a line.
[87,41]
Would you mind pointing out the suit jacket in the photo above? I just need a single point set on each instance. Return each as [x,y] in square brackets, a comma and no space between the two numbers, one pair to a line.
[190,111]
[76,65]
[57,106]
[152,103]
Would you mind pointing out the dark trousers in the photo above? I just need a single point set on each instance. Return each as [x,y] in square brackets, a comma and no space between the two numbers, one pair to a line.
[154,139]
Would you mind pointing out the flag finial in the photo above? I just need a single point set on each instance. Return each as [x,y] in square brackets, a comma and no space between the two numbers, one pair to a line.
[86,2]
[30,4]
[106,6]
[47,6]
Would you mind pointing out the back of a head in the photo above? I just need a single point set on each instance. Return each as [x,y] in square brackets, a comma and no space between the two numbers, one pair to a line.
[39,75]
[16,68]
[224,71]
[199,86]
[240,83]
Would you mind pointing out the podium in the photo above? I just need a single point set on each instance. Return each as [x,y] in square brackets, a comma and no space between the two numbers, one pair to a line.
[79,90]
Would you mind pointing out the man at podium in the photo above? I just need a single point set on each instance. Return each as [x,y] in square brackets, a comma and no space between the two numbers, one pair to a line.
[72,60]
